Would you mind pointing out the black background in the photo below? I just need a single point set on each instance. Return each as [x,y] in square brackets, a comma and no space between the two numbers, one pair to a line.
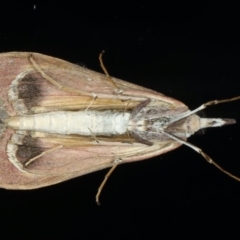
[188,52]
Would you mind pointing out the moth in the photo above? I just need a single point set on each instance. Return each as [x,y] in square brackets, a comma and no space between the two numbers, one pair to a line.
[59,121]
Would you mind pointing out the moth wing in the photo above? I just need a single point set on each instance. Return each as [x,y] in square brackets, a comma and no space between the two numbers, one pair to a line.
[24,90]
[76,158]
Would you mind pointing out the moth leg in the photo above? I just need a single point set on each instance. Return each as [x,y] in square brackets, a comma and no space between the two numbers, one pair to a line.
[129,137]
[93,135]
[42,154]
[199,150]
[125,109]
[55,83]
[115,164]
[94,98]
[117,90]
[140,140]
[139,107]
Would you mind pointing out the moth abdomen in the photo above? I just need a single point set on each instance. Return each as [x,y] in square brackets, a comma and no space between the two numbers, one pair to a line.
[84,123]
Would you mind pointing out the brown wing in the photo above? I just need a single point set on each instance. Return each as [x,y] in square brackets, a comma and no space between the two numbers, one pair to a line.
[37,93]
[76,158]
[24,90]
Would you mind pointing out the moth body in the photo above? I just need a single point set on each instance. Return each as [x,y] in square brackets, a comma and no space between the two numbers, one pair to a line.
[146,124]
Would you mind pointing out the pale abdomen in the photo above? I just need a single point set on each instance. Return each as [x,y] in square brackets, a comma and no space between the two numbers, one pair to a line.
[104,123]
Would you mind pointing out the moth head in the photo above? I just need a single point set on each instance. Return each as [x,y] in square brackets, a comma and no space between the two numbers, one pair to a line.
[215,122]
